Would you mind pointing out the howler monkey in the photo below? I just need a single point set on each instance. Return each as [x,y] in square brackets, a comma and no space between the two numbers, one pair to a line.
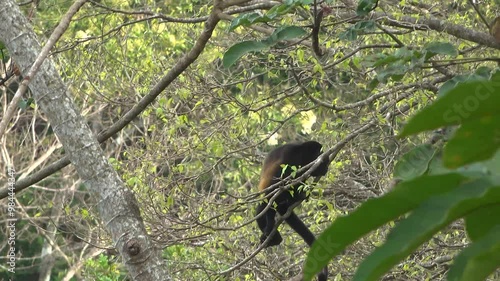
[298,155]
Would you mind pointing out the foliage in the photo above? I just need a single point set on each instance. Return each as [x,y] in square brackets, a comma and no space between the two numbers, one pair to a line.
[194,155]
[435,201]
[102,268]
[238,50]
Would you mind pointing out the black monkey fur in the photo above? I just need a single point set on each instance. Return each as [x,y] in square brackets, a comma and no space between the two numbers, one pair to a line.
[298,155]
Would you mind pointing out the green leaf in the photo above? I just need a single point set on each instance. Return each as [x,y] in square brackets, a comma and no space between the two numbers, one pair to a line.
[471,171]
[436,166]
[414,163]
[238,50]
[395,65]
[23,104]
[424,222]
[373,84]
[451,84]
[395,71]
[481,137]
[441,48]
[84,213]
[493,163]
[481,74]
[479,260]
[469,100]
[247,20]
[384,59]
[286,33]
[373,214]
[353,31]
[302,2]
[366,6]
[256,17]
[481,221]
[280,10]
[348,35]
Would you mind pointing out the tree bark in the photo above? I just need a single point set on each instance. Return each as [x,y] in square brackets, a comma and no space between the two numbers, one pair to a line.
[116,204]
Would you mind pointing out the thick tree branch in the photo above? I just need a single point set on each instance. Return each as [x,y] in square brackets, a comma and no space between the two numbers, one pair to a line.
[440,25]
[115,203]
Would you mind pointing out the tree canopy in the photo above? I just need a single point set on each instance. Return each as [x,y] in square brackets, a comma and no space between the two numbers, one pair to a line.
[187,97]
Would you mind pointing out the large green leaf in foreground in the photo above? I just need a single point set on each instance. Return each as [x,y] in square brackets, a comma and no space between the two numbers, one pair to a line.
[481,137]
[469,100]
[479,260]
[373,214]
[424,222]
